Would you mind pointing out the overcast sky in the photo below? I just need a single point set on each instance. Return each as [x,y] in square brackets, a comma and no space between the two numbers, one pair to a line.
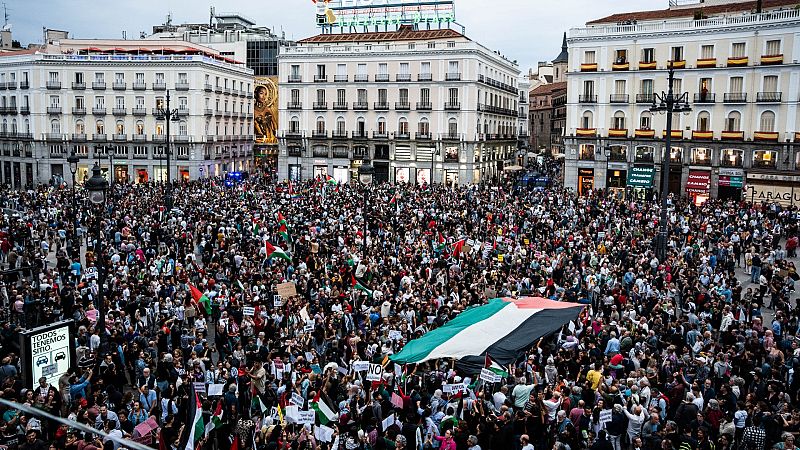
[528,31]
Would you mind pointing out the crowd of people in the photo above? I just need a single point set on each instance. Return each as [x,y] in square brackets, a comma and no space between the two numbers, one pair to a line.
[260,300]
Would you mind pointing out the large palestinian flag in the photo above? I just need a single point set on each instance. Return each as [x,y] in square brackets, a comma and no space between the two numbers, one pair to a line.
[503,329]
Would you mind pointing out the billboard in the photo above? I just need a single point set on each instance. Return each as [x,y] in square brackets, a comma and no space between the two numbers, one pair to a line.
[347,13]
[46,352]
[265,110]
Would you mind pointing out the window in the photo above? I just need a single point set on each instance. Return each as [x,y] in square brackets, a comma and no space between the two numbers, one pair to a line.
[452,67]
[321,71]
[733,121]
[55,101]
[320,125]
[139,127]
[621,57]
[589,57]
[53,77]
[588,88]
[425,68]
[452,127]
[362,96]
[362,69]
[140,102]
[80,103]
[707,52]
[773,47]
[644,153]
[119,78]
[618,121]
[294,71]
[767,122]
[765,158]
[295,95]
[320,96]
[738,50]
[404,68]
[340,125]
[341,70]
[648,55]
[425,95]
[736,85]
[294,125]
[453,95]
[431,44]
[382,126]
[412,46]
[404,96]
[618,153]
[677,53]
[701,156]
[587,119]
[677,85]
[645,120]
[160,78]
[771,83]
[382,96]
[361,128]
[55,126]
[119,102]
[402,126]
[703,121]
[424,126]
[731,157]
[120,127]
[676,155]
[619,87]
[100,127]
[79,127]
[79,77]
[340,96]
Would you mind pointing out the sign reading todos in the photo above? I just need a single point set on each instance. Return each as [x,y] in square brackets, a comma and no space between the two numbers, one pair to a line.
[49,349]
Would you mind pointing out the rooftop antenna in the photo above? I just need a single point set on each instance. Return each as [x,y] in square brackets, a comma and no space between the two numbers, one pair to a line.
[169,19]
[211,18]
[5,15]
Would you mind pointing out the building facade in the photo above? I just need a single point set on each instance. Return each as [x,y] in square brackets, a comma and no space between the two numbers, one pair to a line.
[523,124]
[88,96]
[739,68]
[421,105]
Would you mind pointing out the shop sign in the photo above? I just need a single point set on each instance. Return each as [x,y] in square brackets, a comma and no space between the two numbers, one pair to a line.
[725,180]
[698,182]
[770,193]
[618,166]
[771,177]
[641,176]
[585,172]
[728,172]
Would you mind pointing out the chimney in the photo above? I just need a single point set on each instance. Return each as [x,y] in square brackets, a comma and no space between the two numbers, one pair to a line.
[5,39]
[759,5]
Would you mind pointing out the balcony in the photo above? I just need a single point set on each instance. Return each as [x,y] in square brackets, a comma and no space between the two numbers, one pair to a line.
[139,138]
[159,86]
[644,133]
[676,134]
[426,136]
[320,106]
[226,90]
[771,60]
[768,97]
[11,85]
[25,110]
[218,113]
[768,136]
[644,98]
[360,135]
[707,97]
[119,111]
[339,134]
[706,63]
[380,135]
[735,97]
[360,106]
[76,86]
[425,77]
[119,137]
[78,111]
[341,78]
[648,65]
[319,134]
[681,64]
[294,105]
[8,109]
[424,106]
[452,76]
[53,110]
[403,77]
[618,132]
[292,79]
[139,86]
[618,98]
[586,132]
[381,106]
[380,78]
[620,66]
[402,135]
[159,138]
[218,89]
[99,138]
[340,106]
[738,61]
[452,106]
[208,87]
[24,84]
[320,78]
[589,67]
[119,86]
[702,135]
[139,111]
[53,85]
[78,137]
[99,111]
[585,98]
[181,138]
[339,152]
[732,136]
[182,111]
[182,86]
[402,106]
[99,86]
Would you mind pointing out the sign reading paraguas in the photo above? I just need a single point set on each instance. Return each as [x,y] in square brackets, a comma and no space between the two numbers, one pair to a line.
[47,352]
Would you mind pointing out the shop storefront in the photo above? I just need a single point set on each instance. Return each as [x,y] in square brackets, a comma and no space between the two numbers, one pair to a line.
[585,181]
[141,175]
[698,185]
[675,171]
[640,181]
[295,172]
[183,173]
[401,175]
[341,174]
[782,189]
[730,184]
[121,173]
[266,158]
[381,172]
[451,177]
[617,180]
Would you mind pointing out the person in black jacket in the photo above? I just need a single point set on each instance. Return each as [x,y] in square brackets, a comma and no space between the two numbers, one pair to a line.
[601,443]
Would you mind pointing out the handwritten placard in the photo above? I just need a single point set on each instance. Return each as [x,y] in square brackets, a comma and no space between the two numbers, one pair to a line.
[286,290]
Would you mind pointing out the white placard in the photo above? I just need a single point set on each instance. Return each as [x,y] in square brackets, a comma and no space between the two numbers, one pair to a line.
[310,325]
[291,413]
[395,335]
[489,376]
[200,387]
[49,354]
[305,417]
[387,422]
[309,356]
[605,416]
[454,388]
[297,399]
[323,433]
[91,273]
[249,311]
[215,389]
[374,372]
[277,301]
[360,366]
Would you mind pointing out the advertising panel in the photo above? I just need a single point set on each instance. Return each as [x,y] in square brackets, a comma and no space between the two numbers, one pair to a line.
[423,176]
[265,111]
[46,352]
[641,176]
[352,13]
[772,193]
[401,175]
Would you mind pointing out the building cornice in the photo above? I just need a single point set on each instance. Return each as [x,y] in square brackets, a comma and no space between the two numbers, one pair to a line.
[790,25]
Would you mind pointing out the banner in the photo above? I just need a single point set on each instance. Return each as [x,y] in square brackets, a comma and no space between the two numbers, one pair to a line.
[265,123]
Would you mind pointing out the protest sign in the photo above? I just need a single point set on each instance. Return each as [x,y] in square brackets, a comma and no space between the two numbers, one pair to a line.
[374,372]
[286,290]
[360,366]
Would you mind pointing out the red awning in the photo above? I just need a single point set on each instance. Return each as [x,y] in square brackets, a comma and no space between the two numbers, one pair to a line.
[699,182]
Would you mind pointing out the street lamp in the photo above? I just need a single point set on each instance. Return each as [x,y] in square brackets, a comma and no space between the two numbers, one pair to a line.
[365,175]
[667,103]
[112,151]
[163,112]
[96,186]
[436,154]
[73,161]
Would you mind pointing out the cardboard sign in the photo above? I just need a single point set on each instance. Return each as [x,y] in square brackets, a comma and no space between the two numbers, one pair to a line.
[397,401]
[277,301]
[500,258]
[470,242]
[309,326]
[360,366]
[467,249]
[215,389]
[395,335]
[199,387]
[249,311]
[489,376]
[297,399]
[374,373]
[286,290]
[605,416]
[305,417]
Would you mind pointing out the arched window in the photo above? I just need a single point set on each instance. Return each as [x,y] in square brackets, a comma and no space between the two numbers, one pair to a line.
[618,122]
[100,127]
[424,127]
[79,127]
[361,127]
[27,126]
[320,129]
[703,121]
[381,126]
[183,128]
[14,126]
[5,126]
[587,120]
[402,126]
[645,120]
[294,124]
[733,121]
[139,127]
[120,127]
[452,127]
[767,121]
[340,125]
[55,126]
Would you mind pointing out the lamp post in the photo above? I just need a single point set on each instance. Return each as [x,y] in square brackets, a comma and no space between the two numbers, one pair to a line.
[73,160]
[112,151]
[436,154]
[365,174]
[667,103]
[96,186]
[165,113]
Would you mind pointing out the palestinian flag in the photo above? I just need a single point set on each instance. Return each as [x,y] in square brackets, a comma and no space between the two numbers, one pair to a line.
[330,180]
[200,298]
[281,219]
[216,419]
[284,232]
[194,426]
[440,242]
[357,285]
[277,252]
[324,413]
[458,247]
[494,367]
[504,328]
